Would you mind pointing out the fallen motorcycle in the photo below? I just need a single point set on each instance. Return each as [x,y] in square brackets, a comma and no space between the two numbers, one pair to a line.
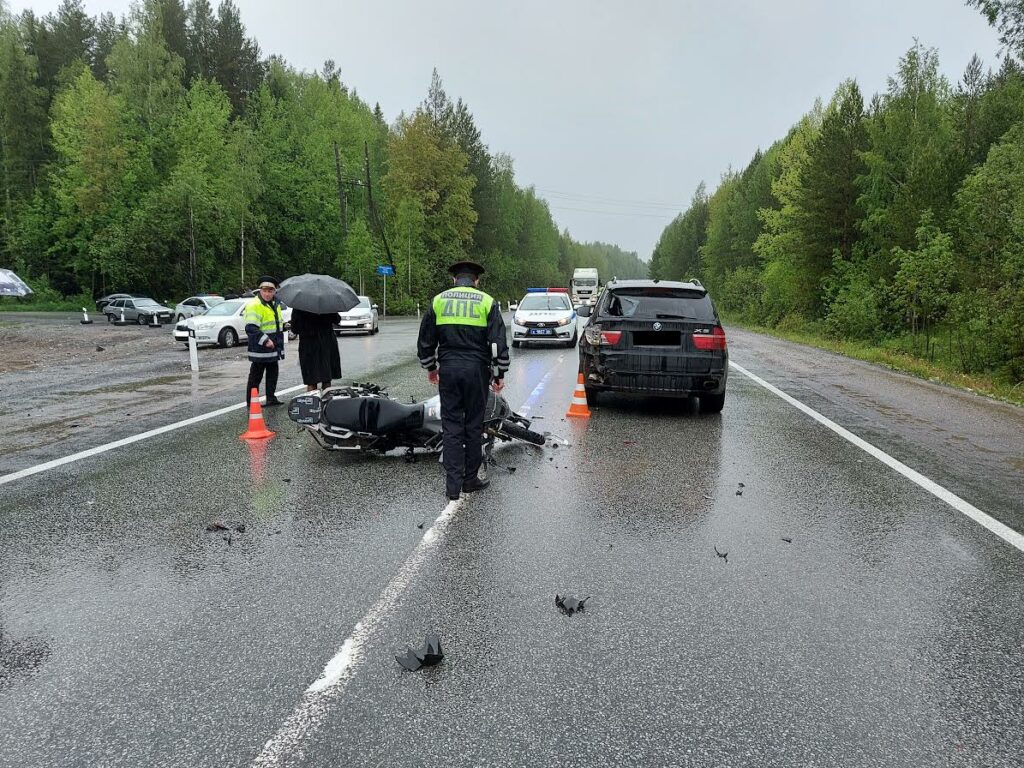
[363,417]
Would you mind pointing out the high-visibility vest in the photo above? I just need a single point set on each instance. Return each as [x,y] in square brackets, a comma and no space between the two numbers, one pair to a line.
[462,306]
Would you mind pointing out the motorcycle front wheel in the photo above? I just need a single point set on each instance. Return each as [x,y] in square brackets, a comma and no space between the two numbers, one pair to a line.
[519,432]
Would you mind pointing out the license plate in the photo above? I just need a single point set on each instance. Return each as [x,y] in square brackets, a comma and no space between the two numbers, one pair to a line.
[540,332]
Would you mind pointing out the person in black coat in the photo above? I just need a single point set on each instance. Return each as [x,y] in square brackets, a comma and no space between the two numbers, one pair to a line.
[319,359]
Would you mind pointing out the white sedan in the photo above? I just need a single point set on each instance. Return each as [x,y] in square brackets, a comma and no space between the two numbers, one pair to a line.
[223,324]
[362,318]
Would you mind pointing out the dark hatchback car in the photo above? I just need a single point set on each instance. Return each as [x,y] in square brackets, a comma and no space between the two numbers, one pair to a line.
[655,337]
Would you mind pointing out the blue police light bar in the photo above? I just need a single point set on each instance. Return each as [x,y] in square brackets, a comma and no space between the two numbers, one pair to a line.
[536,290]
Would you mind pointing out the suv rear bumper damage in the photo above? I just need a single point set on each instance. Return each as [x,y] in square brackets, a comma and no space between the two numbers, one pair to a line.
[605,378]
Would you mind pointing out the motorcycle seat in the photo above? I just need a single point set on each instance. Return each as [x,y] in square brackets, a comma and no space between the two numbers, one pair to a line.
[375,415]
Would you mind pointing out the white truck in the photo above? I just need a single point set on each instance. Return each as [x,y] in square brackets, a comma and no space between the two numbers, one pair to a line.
[584,286]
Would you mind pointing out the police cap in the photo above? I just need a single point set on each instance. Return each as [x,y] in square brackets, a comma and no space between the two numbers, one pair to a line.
[267,279]
[465,268]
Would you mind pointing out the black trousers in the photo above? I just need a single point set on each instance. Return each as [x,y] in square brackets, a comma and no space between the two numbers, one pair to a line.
[463,391]
[256,370]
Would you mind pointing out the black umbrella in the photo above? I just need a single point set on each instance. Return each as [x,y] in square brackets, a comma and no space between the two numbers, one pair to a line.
[12,285]
[319,294]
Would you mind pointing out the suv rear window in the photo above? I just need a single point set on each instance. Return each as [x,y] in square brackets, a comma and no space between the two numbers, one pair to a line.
[653,302]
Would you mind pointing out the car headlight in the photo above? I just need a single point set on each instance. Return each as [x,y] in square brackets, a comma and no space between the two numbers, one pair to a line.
[517,320]
[565,321]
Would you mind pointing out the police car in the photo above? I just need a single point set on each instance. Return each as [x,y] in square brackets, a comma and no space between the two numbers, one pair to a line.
[544,316]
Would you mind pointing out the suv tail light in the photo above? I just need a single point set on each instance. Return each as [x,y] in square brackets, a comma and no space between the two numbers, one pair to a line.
[708,342]
[597,337]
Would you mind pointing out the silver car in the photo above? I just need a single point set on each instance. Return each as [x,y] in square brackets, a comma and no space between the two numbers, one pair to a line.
[138,310]
[361,318]
[196,305]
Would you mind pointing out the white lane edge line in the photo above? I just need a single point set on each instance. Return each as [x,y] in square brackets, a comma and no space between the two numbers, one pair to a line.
[1007,534]
[53,464]
[286,744]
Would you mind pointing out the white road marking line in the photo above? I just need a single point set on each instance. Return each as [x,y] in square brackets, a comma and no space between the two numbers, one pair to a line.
[1007,534]
[285,747]
[35,470]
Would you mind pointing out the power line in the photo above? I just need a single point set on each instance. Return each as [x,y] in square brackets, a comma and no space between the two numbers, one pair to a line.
[580,197]
[664,216]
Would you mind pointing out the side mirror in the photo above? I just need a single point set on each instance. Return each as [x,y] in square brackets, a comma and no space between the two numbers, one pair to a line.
[584,311]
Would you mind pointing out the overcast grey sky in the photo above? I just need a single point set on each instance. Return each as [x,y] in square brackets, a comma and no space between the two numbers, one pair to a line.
[613,110]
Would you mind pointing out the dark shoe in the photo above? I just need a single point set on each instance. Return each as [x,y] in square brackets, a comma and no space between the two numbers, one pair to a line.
[274,401]
[475,485]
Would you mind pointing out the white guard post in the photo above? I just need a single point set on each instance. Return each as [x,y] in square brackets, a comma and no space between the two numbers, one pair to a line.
[193,351]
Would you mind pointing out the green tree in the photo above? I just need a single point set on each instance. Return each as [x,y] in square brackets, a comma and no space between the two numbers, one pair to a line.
[925,278]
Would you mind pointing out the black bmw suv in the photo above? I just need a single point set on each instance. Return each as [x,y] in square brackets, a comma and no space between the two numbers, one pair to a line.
[655,337]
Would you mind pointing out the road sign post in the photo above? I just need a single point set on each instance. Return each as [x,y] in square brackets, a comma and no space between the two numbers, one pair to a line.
[384,270]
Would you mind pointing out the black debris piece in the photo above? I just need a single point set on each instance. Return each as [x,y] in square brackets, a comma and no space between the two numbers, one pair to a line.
[551,458]
[240,527]
[99,348]
[427,655]
[217,525]
[554,445]
[787,539]
[741,485]
[286,479]
[723,555]
[569,605]
[739,491]
[511,470]
[419,525]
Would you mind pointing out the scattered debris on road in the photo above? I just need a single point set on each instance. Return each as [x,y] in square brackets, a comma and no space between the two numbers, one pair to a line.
[787,539]
[427,655]
[216,525]
[99,348]
[420,526]
[569,605]
[723,555]
[511,470]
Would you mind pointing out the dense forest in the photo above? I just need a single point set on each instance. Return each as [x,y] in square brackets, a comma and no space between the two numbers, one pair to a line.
[163,153]
[896,220]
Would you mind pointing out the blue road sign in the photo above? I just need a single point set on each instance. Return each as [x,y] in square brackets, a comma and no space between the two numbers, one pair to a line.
[385,269]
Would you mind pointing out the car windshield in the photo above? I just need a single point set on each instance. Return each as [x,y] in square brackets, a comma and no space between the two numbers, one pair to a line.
[546,301]
[146,303]
[364,303]
[664,303]
[213,301]
[224,308]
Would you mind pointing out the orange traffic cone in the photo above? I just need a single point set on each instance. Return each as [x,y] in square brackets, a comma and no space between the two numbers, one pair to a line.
[257,427]
[579,401]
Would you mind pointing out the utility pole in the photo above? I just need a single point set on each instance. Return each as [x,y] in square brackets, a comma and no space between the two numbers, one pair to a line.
[342,202]
[373,207]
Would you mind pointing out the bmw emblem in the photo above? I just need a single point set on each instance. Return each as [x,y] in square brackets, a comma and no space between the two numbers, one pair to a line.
[657,326]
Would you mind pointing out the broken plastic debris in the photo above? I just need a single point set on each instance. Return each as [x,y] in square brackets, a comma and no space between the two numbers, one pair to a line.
[787,539]
[427,655]
[723,555]
[217,525]
[569,605]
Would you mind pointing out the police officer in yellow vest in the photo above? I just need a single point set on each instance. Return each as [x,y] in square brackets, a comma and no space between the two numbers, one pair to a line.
[454,346]
[265,329]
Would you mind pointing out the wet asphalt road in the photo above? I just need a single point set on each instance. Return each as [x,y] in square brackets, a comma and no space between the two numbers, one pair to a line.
[887,631]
